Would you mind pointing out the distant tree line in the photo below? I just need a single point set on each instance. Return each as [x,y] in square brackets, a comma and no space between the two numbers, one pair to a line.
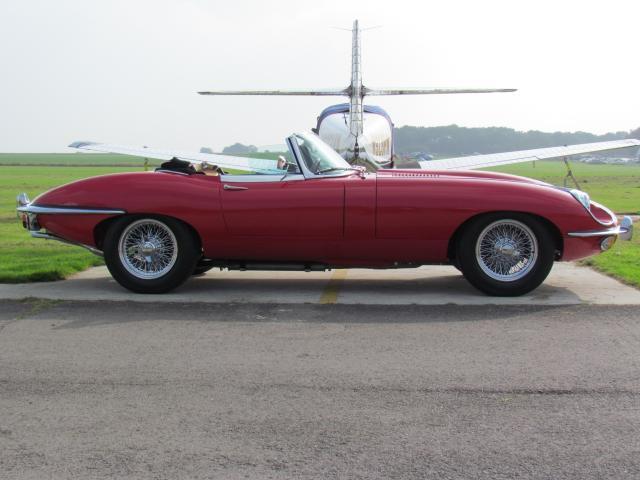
[454,140]
[239,148]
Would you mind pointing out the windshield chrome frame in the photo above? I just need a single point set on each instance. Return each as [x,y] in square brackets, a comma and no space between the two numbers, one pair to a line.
[292,144]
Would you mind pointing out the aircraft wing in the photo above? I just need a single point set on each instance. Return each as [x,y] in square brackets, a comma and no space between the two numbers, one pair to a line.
[494,159]
[433,91]
[367,91]
[257,165]
[318,92]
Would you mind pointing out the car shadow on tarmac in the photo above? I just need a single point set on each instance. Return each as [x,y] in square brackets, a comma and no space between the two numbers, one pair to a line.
[441,290]
[77,315]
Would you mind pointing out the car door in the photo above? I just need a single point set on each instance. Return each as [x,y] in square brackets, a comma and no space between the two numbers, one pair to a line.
[270,205]
[290,204]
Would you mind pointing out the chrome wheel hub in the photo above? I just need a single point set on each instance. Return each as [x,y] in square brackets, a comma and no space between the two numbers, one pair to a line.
[506,250]
[148,249]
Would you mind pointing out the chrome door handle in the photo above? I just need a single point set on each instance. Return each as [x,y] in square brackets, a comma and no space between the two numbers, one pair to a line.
[234,187]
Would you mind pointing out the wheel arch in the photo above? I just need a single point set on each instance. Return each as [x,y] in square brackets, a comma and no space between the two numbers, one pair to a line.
[552,227]
[100,230]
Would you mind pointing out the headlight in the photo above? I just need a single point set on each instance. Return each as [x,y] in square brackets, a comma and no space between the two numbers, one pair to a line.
[582,197]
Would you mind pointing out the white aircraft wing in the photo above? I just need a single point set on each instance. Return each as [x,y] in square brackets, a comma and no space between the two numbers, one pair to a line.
[257,165]
[433,91]
[494,159]
[319,92]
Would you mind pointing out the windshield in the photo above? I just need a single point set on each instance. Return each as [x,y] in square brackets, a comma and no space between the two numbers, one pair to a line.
[318,156]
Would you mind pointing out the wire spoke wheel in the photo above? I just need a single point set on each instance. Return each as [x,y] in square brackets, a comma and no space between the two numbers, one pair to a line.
[148,249]
[506,250]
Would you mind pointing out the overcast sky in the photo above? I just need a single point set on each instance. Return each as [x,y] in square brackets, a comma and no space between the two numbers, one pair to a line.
[127,71]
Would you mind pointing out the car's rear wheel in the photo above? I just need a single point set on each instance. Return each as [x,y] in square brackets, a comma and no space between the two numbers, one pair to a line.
[506,254]
[150,254]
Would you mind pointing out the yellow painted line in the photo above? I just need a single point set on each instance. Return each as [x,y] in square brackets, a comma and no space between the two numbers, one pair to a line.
[330,293]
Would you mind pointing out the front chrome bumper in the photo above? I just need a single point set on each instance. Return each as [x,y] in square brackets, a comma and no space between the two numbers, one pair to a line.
[624,231]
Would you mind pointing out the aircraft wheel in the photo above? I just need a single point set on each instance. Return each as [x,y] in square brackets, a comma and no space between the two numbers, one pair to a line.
[505,254]
[150,254]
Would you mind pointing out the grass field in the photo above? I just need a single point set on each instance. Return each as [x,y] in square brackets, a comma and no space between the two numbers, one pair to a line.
[24,259]
[622,261]
[616,186]
[73,159]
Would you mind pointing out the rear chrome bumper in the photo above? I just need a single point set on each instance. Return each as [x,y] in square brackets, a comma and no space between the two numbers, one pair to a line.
[624,231]
[24,206]
[27,213]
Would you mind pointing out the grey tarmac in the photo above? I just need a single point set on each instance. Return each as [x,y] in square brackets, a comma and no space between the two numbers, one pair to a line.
[94,390]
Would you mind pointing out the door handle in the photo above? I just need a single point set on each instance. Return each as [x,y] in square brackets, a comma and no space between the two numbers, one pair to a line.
[234,187]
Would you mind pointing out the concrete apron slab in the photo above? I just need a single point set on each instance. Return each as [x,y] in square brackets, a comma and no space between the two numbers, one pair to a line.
[567,284]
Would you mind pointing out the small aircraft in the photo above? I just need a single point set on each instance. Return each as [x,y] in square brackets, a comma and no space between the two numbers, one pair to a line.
[361,134]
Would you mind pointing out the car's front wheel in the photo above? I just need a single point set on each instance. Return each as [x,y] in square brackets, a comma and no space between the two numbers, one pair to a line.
[506,254]
[150,254]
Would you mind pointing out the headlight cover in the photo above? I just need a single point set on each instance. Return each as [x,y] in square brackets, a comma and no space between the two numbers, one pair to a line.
[582,197]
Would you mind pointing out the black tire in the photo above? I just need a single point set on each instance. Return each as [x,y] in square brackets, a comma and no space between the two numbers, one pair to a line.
[177,270]
[201,269]
[455,263]
[482,275]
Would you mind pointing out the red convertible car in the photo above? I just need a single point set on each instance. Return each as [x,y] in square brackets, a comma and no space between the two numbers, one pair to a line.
[317,212]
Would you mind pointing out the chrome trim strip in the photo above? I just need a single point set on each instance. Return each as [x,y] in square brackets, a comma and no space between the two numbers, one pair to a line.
[609,212]
[591,202]
[48,236]
[162,170]
[67,210]
[259,178]
[624,230]
[596,233]
[297,156]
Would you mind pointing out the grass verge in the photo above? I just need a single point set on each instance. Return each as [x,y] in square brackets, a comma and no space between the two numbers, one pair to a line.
[615,186]
[621,262]
[23,259]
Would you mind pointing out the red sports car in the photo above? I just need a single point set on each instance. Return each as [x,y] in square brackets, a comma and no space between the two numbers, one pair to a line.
[315,211]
